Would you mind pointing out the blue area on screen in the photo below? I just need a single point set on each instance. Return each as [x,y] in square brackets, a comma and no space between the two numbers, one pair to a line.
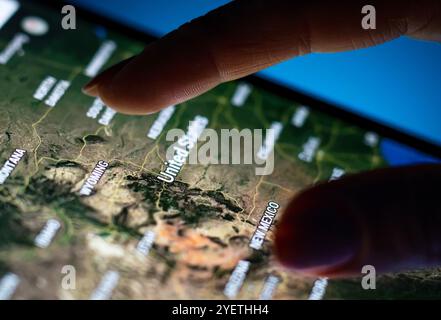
[100,32]
[397,154]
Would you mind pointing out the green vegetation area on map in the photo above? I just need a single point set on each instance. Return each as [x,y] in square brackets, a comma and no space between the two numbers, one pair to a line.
[202,222]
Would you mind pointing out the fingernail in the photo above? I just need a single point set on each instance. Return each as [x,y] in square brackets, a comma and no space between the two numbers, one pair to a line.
[316,237]
[91,88]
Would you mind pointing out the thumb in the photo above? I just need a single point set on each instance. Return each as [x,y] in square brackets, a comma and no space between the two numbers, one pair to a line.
[388,218]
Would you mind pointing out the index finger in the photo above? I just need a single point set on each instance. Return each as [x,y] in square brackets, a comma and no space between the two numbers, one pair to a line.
[243,37]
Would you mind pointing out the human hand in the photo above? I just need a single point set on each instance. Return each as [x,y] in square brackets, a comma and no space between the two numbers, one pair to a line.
[388,218]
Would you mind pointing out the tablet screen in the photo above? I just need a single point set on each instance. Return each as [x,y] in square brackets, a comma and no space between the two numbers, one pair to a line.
[97,204]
